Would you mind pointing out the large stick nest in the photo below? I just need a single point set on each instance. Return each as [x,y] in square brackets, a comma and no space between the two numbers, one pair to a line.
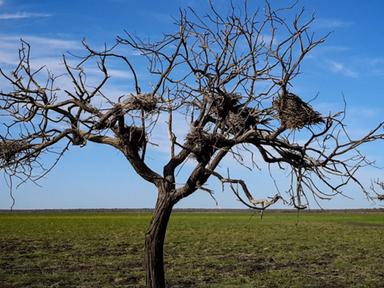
[223,104]
[134,136]
[234,116]
[9,150]
[203,144]
[294,113]
[244,119]
[146,102]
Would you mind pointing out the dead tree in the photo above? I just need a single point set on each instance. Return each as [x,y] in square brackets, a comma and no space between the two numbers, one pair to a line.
[209,72]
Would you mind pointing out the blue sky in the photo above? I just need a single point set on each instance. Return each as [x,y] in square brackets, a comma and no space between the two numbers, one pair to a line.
[350,63]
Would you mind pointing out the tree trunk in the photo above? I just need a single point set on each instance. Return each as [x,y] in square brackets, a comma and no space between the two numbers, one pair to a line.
[154,242]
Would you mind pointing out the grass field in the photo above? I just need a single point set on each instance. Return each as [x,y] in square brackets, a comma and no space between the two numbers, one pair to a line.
[99,249]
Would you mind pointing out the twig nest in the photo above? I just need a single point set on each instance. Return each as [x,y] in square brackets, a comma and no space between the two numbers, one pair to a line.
[9,149]
[294,113]
[197,140]
[380,197]
[77,139]
[146,102]
[223,103]
[232,114]
[203,144]
[134,136]
[244,119]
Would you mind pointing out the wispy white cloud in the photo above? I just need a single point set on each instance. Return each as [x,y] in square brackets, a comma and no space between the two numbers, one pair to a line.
[1,2]
[333,49]
[341,68]
[43,48]
[37,42]
[22,15]
[157,16]
[374,65]
[332,23]
[114,73]
[45,51]
[359,112]
[375,61]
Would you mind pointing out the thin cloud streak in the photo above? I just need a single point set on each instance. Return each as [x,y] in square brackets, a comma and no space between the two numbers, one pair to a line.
[330,23]
[338,67]
[22,15]
[44,45]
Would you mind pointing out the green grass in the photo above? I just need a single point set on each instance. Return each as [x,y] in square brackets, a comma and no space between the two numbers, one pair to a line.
[89,249]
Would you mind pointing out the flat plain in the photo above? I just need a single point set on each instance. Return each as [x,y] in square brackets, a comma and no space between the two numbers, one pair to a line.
[203,249]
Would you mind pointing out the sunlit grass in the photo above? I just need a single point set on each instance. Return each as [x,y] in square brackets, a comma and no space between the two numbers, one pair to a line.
[202,250]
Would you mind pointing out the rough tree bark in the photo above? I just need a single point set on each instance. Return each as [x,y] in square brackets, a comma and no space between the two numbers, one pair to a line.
[154,241]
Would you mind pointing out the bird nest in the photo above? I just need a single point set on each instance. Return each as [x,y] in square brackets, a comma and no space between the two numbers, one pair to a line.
[380,197]
[202,143]
[146,102]
[235,116]
[198,140]
[245,117]
[134,136]
[9,149]
[236,120]
[294,113]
